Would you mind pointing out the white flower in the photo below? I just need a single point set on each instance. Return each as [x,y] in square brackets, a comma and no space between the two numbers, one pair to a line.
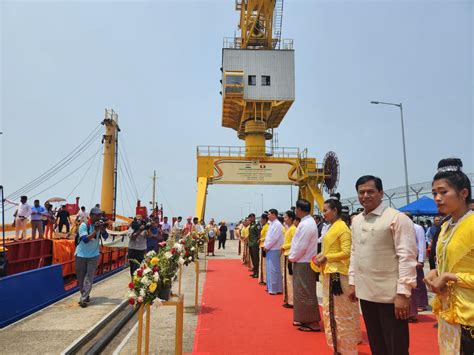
[190,258]
[132,294]
[156,277]
[181,261]
[142,293]
[151,254]
[147,271]
[140,299]
[193,249]
[168,255]
[146,281]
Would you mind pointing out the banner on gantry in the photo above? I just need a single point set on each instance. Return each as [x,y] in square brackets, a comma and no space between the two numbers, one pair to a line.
[258,172]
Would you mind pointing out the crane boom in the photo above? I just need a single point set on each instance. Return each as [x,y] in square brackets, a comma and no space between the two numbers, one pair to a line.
[256,23]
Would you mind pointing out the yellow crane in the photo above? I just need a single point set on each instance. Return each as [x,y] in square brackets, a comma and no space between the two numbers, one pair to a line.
[258,89]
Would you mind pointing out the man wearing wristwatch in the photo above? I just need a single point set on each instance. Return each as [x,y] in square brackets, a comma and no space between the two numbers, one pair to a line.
[382,270]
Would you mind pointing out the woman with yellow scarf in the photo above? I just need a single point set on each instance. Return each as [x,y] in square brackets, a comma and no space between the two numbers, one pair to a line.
[453,279]
[341,315]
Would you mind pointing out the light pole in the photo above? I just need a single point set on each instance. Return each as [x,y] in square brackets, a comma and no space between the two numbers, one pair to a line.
[400,106]
[261,195]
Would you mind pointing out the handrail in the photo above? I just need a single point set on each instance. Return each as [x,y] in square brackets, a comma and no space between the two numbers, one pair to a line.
[240,151]
[236,43]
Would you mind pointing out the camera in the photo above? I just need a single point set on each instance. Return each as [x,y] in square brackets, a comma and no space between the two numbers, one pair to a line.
[101,222]
[140,224]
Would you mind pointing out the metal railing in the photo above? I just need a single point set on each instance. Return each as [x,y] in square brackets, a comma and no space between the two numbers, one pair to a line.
[236,43]
[239,151]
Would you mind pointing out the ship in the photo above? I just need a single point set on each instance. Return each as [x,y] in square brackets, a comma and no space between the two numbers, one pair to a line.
[37,273]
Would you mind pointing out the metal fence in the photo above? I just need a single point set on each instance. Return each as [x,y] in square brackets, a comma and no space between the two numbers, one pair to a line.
[397,197]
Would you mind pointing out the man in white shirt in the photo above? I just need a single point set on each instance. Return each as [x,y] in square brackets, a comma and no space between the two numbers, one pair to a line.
[82,215]
[22,214]
[165,228]
[419,295]
[304,247]
[272,245]
[178,225]
[382,269]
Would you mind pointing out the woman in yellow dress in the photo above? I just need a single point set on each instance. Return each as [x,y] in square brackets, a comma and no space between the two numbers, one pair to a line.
[341,315]
[286,267]
[453,279]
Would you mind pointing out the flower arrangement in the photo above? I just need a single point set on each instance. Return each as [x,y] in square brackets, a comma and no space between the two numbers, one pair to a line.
[157,271]
[144,285]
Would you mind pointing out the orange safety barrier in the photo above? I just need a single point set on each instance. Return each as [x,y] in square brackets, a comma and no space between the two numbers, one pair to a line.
[63,253]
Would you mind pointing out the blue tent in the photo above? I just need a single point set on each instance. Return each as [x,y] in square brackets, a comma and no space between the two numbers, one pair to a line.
[424,206]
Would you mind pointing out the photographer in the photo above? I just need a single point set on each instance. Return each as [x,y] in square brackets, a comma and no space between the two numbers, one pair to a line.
[140,231]
[155,237]
[87,253]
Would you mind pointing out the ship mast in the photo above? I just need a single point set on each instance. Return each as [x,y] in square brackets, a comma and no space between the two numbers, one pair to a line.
[109,172]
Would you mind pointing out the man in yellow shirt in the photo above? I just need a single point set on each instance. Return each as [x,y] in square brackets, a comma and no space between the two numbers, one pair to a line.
[244,234]
[287,272]
[263,234]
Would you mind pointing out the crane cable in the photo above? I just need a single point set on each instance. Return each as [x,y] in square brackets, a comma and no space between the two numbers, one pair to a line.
[84,175]
[61,180]
[68,159]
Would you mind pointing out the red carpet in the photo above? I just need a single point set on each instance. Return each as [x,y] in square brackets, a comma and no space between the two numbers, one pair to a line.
[239,317]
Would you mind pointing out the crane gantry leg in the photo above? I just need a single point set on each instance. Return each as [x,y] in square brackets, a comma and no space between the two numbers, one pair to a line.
[201,195]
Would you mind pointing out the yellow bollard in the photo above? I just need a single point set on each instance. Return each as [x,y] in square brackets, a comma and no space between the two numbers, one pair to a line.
[147,330]
[179,326]
[180,278]
[140,330]
[196,296]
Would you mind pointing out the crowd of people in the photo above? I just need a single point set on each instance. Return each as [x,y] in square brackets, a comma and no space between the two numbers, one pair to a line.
[372,261]
[45,220]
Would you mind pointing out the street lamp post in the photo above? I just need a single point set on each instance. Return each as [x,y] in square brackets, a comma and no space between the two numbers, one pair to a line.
[400,106]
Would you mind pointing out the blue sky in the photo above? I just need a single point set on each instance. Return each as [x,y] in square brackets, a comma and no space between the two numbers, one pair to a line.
[157,63]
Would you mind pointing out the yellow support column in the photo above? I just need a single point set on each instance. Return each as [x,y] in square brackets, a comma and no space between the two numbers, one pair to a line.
[108,173]
[255,138]
[311,193]
[201,198]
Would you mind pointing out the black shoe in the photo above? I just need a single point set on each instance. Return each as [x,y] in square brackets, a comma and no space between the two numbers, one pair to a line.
[286,305]
[254,276]
[88,299]
[83,304]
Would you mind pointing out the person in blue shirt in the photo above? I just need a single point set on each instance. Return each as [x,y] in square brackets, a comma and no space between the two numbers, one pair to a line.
[87,254]
[155,237]
[37,213]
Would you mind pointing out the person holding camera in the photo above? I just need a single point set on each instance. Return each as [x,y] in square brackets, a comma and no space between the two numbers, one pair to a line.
[87,253]
[137,245]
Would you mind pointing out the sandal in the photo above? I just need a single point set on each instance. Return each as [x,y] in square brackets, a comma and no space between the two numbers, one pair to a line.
[305,328]
[297,324]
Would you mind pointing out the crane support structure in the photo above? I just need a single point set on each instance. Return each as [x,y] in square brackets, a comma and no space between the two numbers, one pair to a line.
[109,181]
[258,89]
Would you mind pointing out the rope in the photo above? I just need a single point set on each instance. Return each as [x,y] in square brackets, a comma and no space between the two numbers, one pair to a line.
[68,159]
[128,166]
[84,175]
